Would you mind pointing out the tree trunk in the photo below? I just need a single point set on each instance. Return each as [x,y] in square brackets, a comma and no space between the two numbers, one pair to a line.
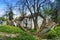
[19,25]
[35,23]
[43,25]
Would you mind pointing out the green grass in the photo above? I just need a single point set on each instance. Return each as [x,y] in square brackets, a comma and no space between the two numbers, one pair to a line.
[11,29]
[53,34]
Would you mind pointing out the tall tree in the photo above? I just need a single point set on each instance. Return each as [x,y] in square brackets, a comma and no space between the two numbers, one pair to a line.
[9,9]
[36,5]
[9,12]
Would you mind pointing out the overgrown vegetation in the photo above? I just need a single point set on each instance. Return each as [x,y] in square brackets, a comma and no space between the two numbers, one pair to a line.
[3,19]
[55,33]
[12,29]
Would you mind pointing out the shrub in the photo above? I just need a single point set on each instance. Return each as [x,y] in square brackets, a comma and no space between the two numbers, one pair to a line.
[54,33]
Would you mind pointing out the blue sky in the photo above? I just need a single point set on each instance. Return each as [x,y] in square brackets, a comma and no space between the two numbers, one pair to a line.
[3,6]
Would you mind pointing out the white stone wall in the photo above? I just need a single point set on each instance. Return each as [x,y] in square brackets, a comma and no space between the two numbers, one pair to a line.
[31,23]
[40,20]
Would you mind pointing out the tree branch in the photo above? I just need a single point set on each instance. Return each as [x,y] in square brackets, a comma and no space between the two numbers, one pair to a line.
[41,3]
[28,7]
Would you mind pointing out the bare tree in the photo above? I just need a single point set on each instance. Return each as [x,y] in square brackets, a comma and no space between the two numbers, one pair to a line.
[36,8]
[21,9]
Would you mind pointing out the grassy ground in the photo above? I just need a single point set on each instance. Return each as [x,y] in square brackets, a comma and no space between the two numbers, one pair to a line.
[13,30]
[54,34]
[15,33]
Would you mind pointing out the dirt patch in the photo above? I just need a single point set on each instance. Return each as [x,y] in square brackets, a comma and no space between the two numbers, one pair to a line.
[3,34]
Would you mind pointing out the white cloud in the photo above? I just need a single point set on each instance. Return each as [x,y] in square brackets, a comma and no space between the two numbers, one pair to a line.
[2,13]
[52,0]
